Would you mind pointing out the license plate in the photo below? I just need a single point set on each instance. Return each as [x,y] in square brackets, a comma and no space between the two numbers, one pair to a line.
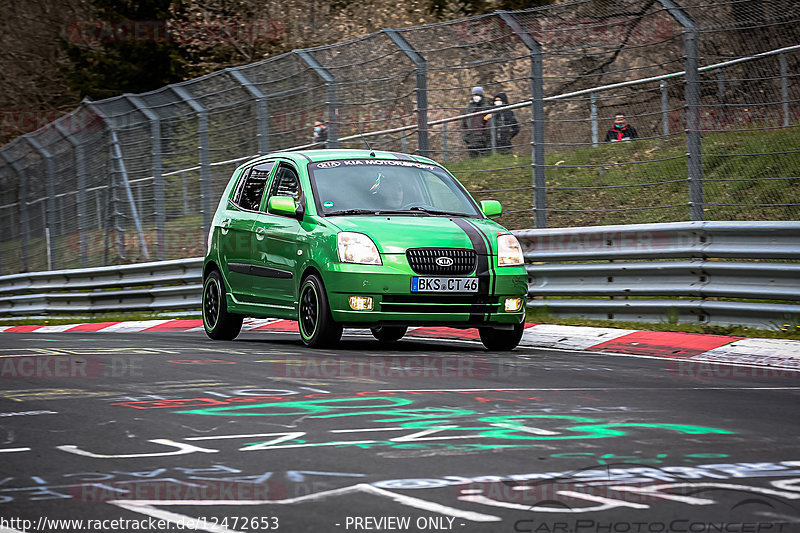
[419,284]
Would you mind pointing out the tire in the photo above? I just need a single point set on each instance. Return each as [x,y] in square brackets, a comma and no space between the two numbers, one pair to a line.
[317,328]
[388,333]
[501,340]
[219,324]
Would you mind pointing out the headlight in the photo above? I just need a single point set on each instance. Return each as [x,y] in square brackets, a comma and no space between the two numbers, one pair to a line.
[509,252]
[357,248]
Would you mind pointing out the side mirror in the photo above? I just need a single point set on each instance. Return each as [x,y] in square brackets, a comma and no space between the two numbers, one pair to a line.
[491,208]
[285,206]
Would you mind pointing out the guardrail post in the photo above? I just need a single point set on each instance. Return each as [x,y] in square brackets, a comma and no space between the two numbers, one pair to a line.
[24,224]
[158,176]
[692,92]
[51,194]
[537,119]
[593,104]
[80,167]
[262,114]
[205,166]
[421,71]
[330,95]
[784,88]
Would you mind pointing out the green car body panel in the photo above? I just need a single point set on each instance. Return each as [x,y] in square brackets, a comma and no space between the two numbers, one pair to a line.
[263,254]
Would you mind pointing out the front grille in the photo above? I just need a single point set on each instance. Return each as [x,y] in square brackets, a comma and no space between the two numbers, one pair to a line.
[423,261]
[439,303]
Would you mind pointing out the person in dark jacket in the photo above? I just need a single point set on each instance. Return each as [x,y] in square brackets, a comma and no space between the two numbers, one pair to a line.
[320,135]
[621,131]
[475,130]
[505,124]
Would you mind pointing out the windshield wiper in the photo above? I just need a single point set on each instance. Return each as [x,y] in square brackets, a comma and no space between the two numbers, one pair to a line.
[376,212]
[437,212]
[353,212]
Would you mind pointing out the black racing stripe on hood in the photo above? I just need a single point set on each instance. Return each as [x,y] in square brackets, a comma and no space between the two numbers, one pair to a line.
[489,255]
[482,270]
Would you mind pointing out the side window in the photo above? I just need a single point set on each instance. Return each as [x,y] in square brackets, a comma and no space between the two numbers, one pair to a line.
[286,183]
[251,187]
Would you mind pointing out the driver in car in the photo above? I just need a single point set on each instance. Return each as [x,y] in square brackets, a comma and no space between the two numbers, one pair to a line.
[389,190]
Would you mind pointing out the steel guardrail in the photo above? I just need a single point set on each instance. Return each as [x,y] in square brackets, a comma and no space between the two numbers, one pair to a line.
[717,273]
[703,272]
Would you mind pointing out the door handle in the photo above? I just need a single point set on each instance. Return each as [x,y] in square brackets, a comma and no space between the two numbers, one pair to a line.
[261,233]
[226,223]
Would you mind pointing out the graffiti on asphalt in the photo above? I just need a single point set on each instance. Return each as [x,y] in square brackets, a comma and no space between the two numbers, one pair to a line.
[637,488]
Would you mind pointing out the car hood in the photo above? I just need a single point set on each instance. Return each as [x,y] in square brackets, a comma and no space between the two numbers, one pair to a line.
[395,234]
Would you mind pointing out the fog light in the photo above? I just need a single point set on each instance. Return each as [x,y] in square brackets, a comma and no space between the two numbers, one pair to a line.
[361,303]
[513,304]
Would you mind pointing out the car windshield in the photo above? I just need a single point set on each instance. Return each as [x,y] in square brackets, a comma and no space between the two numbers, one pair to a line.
[368,186]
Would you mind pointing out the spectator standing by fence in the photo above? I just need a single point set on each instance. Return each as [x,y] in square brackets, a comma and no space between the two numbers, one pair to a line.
[475,129]
[505,124]
[320,135]
[621,131]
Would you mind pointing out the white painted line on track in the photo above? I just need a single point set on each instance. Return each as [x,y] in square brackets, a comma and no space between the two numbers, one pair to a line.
[55,329]
[569,337]
[132,326]
[615,389]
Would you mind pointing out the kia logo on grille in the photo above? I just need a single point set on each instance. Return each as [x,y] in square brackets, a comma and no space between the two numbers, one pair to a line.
[444,261]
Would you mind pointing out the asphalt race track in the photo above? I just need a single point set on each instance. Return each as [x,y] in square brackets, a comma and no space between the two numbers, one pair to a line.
[146,432]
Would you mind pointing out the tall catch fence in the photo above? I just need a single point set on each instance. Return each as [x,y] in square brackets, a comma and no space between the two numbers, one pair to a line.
[711,88]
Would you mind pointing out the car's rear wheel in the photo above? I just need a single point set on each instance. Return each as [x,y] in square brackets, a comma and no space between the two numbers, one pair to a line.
[217,321]
[317,328]
[388,333]
[496,339]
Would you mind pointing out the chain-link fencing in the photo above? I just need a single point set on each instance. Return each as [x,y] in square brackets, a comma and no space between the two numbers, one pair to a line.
[710,89]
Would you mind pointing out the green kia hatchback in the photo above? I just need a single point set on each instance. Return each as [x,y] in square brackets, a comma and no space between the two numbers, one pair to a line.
[364,239]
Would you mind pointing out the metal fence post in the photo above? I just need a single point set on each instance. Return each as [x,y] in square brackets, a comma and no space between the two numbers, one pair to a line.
[444,141]
[593,104]
[116,154]
[80,167]
[158,173]
[664,107]
[537,119]
[721,97]
[24,224]
[421,71]
[51,193]
[692,92]
[330,95]
[262,114]
[784,89]
[205,166]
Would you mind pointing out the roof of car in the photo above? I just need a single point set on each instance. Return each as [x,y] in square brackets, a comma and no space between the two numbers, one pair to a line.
[328,154]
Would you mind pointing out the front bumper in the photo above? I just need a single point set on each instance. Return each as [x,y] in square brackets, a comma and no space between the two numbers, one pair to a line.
[389,285]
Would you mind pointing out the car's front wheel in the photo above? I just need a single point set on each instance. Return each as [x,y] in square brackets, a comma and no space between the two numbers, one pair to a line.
[388,333]
[317,328]
[217,321]
[496,339]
